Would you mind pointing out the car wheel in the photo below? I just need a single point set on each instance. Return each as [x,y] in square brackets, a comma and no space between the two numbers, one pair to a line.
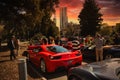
[26,54]
[74,78]
[42,66]
[108,56]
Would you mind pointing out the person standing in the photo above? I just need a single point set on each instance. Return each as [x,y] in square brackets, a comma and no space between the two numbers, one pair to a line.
[11,46]
[17,45]
[0,44]
[44,41]
[99,47]
[57,40]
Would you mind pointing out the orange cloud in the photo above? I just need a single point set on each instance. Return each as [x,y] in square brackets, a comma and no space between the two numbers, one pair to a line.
[109,8]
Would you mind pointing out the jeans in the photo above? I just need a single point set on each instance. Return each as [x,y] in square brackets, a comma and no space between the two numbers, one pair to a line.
[12,54]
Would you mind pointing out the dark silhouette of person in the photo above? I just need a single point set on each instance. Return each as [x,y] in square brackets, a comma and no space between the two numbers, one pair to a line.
[44,41]
[57,40]
[0,43]
[17,45]
[11,46]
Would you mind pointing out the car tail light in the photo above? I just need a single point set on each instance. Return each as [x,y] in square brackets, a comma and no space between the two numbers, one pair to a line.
[54,57]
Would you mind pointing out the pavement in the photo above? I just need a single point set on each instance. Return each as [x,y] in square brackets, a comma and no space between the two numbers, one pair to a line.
[9,69]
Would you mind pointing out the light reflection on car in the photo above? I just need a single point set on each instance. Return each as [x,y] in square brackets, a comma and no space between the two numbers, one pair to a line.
[104,70]
[109,51]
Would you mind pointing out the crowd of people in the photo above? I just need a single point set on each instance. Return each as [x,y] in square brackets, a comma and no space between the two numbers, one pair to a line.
[75,43]
[72,44]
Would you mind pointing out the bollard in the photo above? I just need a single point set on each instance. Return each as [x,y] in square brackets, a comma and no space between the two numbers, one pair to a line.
[22,66]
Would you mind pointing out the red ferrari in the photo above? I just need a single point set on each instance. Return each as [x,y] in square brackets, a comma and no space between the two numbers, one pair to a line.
[50,58]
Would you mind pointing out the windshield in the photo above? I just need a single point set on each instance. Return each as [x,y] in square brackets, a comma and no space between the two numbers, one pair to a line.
[57,49]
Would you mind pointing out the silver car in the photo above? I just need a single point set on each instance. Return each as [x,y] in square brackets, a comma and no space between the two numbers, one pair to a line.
[104,70]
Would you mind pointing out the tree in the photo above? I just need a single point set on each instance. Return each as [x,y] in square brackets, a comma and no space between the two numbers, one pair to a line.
[90,18]
[52,30]
[24,17]
[117,28]
[46,24]
[20,16]
[105,31]
[72,30]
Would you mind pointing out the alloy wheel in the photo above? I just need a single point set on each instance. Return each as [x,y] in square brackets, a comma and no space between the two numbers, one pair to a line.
[43,66]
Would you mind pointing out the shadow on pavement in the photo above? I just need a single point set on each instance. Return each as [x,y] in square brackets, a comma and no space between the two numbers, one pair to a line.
[32,72]
[5,56]
[4,61]
[36,73]
[3,49]
[55,75]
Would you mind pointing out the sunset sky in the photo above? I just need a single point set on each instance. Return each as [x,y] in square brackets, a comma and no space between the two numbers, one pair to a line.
[109,8]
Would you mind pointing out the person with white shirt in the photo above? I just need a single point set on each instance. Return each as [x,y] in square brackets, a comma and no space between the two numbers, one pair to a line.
[99,47]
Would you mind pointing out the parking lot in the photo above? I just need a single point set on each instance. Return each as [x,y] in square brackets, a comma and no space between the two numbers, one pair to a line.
[33,73]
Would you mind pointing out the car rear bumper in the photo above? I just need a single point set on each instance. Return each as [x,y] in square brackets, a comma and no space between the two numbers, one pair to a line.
[54,65]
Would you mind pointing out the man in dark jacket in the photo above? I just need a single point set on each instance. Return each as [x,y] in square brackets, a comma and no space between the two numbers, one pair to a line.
[11,46]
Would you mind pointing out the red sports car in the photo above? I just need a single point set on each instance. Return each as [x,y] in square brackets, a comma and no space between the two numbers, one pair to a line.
[50,58]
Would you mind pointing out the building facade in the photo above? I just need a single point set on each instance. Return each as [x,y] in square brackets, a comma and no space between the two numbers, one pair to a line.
[63,18]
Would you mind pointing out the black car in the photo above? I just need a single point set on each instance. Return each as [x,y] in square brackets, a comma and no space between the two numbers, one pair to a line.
[109,51]
[104,70]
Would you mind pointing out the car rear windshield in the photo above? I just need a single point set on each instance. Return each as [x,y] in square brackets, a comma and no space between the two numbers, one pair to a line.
[57,49]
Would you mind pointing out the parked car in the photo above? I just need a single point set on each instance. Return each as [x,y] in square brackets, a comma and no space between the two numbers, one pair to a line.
[105,70]
[109,51]
[50,58]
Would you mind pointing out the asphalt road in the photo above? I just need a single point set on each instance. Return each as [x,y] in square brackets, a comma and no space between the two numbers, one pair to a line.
[35,73]
[60,75]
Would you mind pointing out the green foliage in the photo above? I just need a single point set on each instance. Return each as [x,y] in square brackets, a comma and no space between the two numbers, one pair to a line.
[105,31]
[117,28]
[72,30]
[26,18]
[90,18]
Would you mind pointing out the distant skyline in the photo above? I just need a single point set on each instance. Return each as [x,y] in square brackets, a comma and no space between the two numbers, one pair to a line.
[109,8]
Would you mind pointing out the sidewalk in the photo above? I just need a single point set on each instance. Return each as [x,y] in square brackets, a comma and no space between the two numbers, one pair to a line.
[9,69]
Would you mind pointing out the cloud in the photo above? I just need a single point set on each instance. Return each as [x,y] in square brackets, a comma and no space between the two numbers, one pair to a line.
[73,8]
[71,3]
[109,8]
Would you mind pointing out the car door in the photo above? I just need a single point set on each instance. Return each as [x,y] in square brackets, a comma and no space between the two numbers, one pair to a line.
[36,55]
[32,54]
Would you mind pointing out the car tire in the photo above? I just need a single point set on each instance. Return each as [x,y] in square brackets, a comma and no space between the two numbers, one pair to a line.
[108,56]
[28,57]
[43,66]
[26,54]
